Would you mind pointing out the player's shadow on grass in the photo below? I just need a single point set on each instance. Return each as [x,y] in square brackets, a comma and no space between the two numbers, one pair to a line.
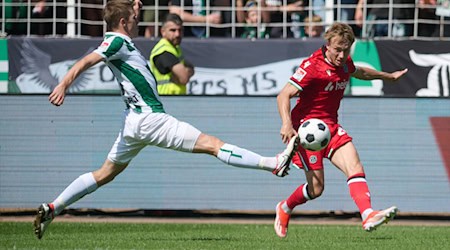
[382,238]
[211,238]
[195,239]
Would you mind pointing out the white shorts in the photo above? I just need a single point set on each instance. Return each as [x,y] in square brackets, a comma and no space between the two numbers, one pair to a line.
[156,129]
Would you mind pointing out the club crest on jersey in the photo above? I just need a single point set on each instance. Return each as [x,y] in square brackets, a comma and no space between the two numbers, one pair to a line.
[299,74]
[345,68]
[104,44]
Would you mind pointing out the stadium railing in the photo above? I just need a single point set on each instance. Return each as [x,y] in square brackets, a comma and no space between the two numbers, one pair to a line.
[67,19]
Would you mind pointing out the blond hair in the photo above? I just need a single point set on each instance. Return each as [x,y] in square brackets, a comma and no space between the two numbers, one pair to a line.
[341,30]
[115,10]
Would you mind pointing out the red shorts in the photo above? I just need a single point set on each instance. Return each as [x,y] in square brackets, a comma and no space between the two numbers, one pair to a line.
[313,160]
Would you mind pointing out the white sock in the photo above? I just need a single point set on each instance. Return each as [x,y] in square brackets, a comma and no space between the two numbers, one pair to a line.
[285,208]
[366,213]
[239,157]
[268,163]
[83,185]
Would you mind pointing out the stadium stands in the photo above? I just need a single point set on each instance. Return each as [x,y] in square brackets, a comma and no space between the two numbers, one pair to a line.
[66,18]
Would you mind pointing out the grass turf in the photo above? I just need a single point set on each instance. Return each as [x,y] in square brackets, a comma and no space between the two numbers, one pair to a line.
[64,235]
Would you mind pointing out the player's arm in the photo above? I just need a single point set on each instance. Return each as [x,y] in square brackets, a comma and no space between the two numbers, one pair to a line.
[365,73]
[284,109]
[58,94]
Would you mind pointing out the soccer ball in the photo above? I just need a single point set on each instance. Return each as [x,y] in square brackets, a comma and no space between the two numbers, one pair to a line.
[314,134]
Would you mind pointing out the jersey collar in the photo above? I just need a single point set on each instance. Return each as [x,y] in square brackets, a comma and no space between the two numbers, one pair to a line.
[324,49]
[127,38]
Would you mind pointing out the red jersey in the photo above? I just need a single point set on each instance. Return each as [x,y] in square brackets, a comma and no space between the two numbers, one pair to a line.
[322,87]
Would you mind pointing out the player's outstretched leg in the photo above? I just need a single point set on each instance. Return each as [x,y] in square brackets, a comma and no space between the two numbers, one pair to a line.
[281,221]
[378,218]
[43,219]
[284,158]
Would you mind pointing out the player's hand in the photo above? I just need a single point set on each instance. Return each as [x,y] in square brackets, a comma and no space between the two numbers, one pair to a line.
[397,74]
[57,96]
[287,132]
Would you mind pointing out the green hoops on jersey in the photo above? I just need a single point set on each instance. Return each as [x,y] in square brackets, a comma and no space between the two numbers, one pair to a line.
[137,83]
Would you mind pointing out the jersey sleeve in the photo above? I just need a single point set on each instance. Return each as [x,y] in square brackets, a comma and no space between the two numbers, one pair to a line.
[302,76]
[110,48]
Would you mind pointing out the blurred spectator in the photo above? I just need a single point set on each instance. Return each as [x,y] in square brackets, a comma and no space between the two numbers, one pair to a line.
[241,14]
[61,13]
[253,23]
[16,12]
[313,26]
[319,8]
[194,12]
[294,11]
[92,14]
[427,11]
[399,28]
[151,15]
[226,17]
[41,10]
[441,11]
[347,13]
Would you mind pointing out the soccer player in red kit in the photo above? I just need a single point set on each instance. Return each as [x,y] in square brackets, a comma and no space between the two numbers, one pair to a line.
[320,81]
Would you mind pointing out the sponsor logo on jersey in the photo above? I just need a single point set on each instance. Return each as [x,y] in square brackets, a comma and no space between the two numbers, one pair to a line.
[336,85]
[299,74]
[130,100]
[104,44]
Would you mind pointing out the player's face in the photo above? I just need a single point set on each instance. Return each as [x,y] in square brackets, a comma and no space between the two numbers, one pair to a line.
[131,26]
[338,50]
[172,32]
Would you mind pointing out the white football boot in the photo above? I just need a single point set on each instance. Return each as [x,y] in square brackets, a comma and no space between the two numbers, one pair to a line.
[378,218]
[284,158]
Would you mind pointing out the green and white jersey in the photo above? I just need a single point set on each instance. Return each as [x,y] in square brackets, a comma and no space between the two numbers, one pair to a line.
[132,72]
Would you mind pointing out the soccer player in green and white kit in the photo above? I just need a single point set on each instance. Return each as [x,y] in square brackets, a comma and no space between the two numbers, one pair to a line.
[145,122]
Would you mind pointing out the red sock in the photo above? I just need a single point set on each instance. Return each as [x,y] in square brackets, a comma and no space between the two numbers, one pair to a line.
[299,196]
[52,207]
[359,191]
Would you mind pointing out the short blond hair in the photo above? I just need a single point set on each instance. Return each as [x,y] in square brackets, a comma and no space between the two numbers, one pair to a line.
[115,10]
[341,30]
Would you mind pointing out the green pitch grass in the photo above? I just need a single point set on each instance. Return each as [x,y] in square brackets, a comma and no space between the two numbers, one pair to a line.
[62,235]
